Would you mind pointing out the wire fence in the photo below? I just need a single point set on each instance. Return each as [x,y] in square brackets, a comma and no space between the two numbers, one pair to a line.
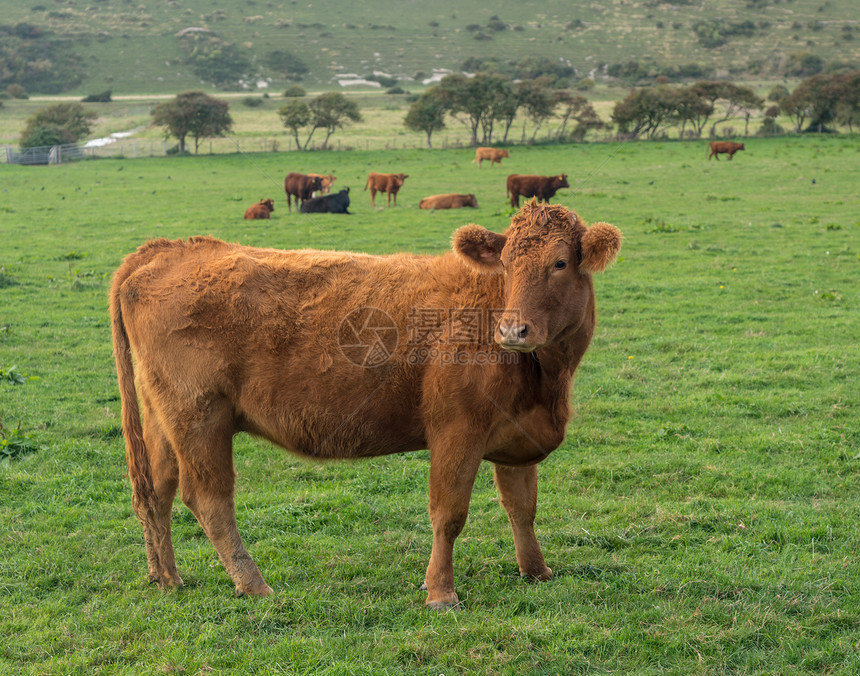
[134,148]
[143,147]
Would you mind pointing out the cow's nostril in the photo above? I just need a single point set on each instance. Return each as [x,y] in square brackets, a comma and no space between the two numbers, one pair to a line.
[524,330]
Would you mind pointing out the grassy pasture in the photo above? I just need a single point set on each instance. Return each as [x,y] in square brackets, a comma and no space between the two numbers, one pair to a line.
[700,517]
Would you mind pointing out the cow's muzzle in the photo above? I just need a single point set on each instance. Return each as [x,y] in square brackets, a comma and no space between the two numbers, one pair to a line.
[514,334]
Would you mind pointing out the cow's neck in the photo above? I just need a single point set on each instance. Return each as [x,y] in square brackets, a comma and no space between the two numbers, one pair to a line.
[560,358]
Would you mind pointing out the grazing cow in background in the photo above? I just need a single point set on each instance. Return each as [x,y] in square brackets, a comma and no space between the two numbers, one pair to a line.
[300,186]
[451,201]
[529,185]
[261,209]
[317,352]
[493,154]
[326,181]
[327,204]
[387,183]
[728,147]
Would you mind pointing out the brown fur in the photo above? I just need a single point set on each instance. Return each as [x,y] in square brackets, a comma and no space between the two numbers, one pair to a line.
[326,182]
[262,209]
[228,338]
[728,147]
[450,201]
[495,155]
[387,183]
[300,186]
[528,185]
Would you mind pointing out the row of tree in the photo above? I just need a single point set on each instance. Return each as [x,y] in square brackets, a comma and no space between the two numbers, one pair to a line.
[488,104]
[816,102]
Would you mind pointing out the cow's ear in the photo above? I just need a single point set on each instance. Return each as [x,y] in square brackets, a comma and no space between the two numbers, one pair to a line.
[479,247]
[600,245]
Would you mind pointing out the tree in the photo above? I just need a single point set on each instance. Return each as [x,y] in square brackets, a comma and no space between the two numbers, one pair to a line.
[331,111]
[577,108]
[643,111]
[538,100]
[475,99]
[427,114]
[848,107]
[295,115]
[193,113]
[690,107]
[57,124]
[821,98]
[733,98]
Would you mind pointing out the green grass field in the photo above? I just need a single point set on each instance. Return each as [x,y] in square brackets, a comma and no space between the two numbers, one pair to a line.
[701,516]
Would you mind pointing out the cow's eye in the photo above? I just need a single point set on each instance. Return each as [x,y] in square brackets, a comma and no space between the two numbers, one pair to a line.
[560,265]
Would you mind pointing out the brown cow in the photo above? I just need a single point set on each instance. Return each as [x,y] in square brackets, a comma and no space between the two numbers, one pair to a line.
[326,181]
[529,185]
[300,186]
[728,147]
[450,201]
[332,355]
[262,209]
[387,183]
[492,154]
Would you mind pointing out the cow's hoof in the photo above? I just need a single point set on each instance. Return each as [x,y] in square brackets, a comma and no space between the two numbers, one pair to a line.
[538,576]
[166,581]
[264,590]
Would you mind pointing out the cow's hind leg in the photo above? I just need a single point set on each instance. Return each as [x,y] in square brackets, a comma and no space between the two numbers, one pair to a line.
[156,518]
[206,483]
[518,489]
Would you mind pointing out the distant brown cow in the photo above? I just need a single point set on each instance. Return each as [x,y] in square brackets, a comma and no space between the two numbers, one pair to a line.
[387,183]
[728,147]
[321,352]
[326,180]
[450,201]
[300,186]
[493,154]
[529,185]
[261,209]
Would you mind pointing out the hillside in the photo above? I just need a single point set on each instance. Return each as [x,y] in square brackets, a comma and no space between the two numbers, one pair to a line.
[142,46]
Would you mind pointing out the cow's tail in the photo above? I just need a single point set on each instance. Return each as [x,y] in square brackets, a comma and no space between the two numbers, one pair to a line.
[139,470]
[367,183]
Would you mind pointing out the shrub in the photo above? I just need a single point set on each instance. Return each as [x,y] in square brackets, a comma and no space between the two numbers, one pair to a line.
[295,92]
[101,97]
[56,125]
[252,101]
[16,91]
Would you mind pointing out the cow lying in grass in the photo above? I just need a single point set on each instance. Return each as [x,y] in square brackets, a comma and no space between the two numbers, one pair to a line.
[327,204]
[262,209]
[449,201]
[470,354]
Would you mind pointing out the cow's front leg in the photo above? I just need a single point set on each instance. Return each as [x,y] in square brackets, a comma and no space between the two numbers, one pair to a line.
[518,489]
[452,475]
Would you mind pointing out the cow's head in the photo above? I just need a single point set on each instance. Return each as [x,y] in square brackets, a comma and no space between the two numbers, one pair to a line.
[399,178]
[316,183]
[471,200]
[561,181]
[269,204]
[548,256]
[505,153]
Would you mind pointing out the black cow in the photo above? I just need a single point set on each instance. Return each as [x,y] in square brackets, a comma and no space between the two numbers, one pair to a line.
[327,204]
